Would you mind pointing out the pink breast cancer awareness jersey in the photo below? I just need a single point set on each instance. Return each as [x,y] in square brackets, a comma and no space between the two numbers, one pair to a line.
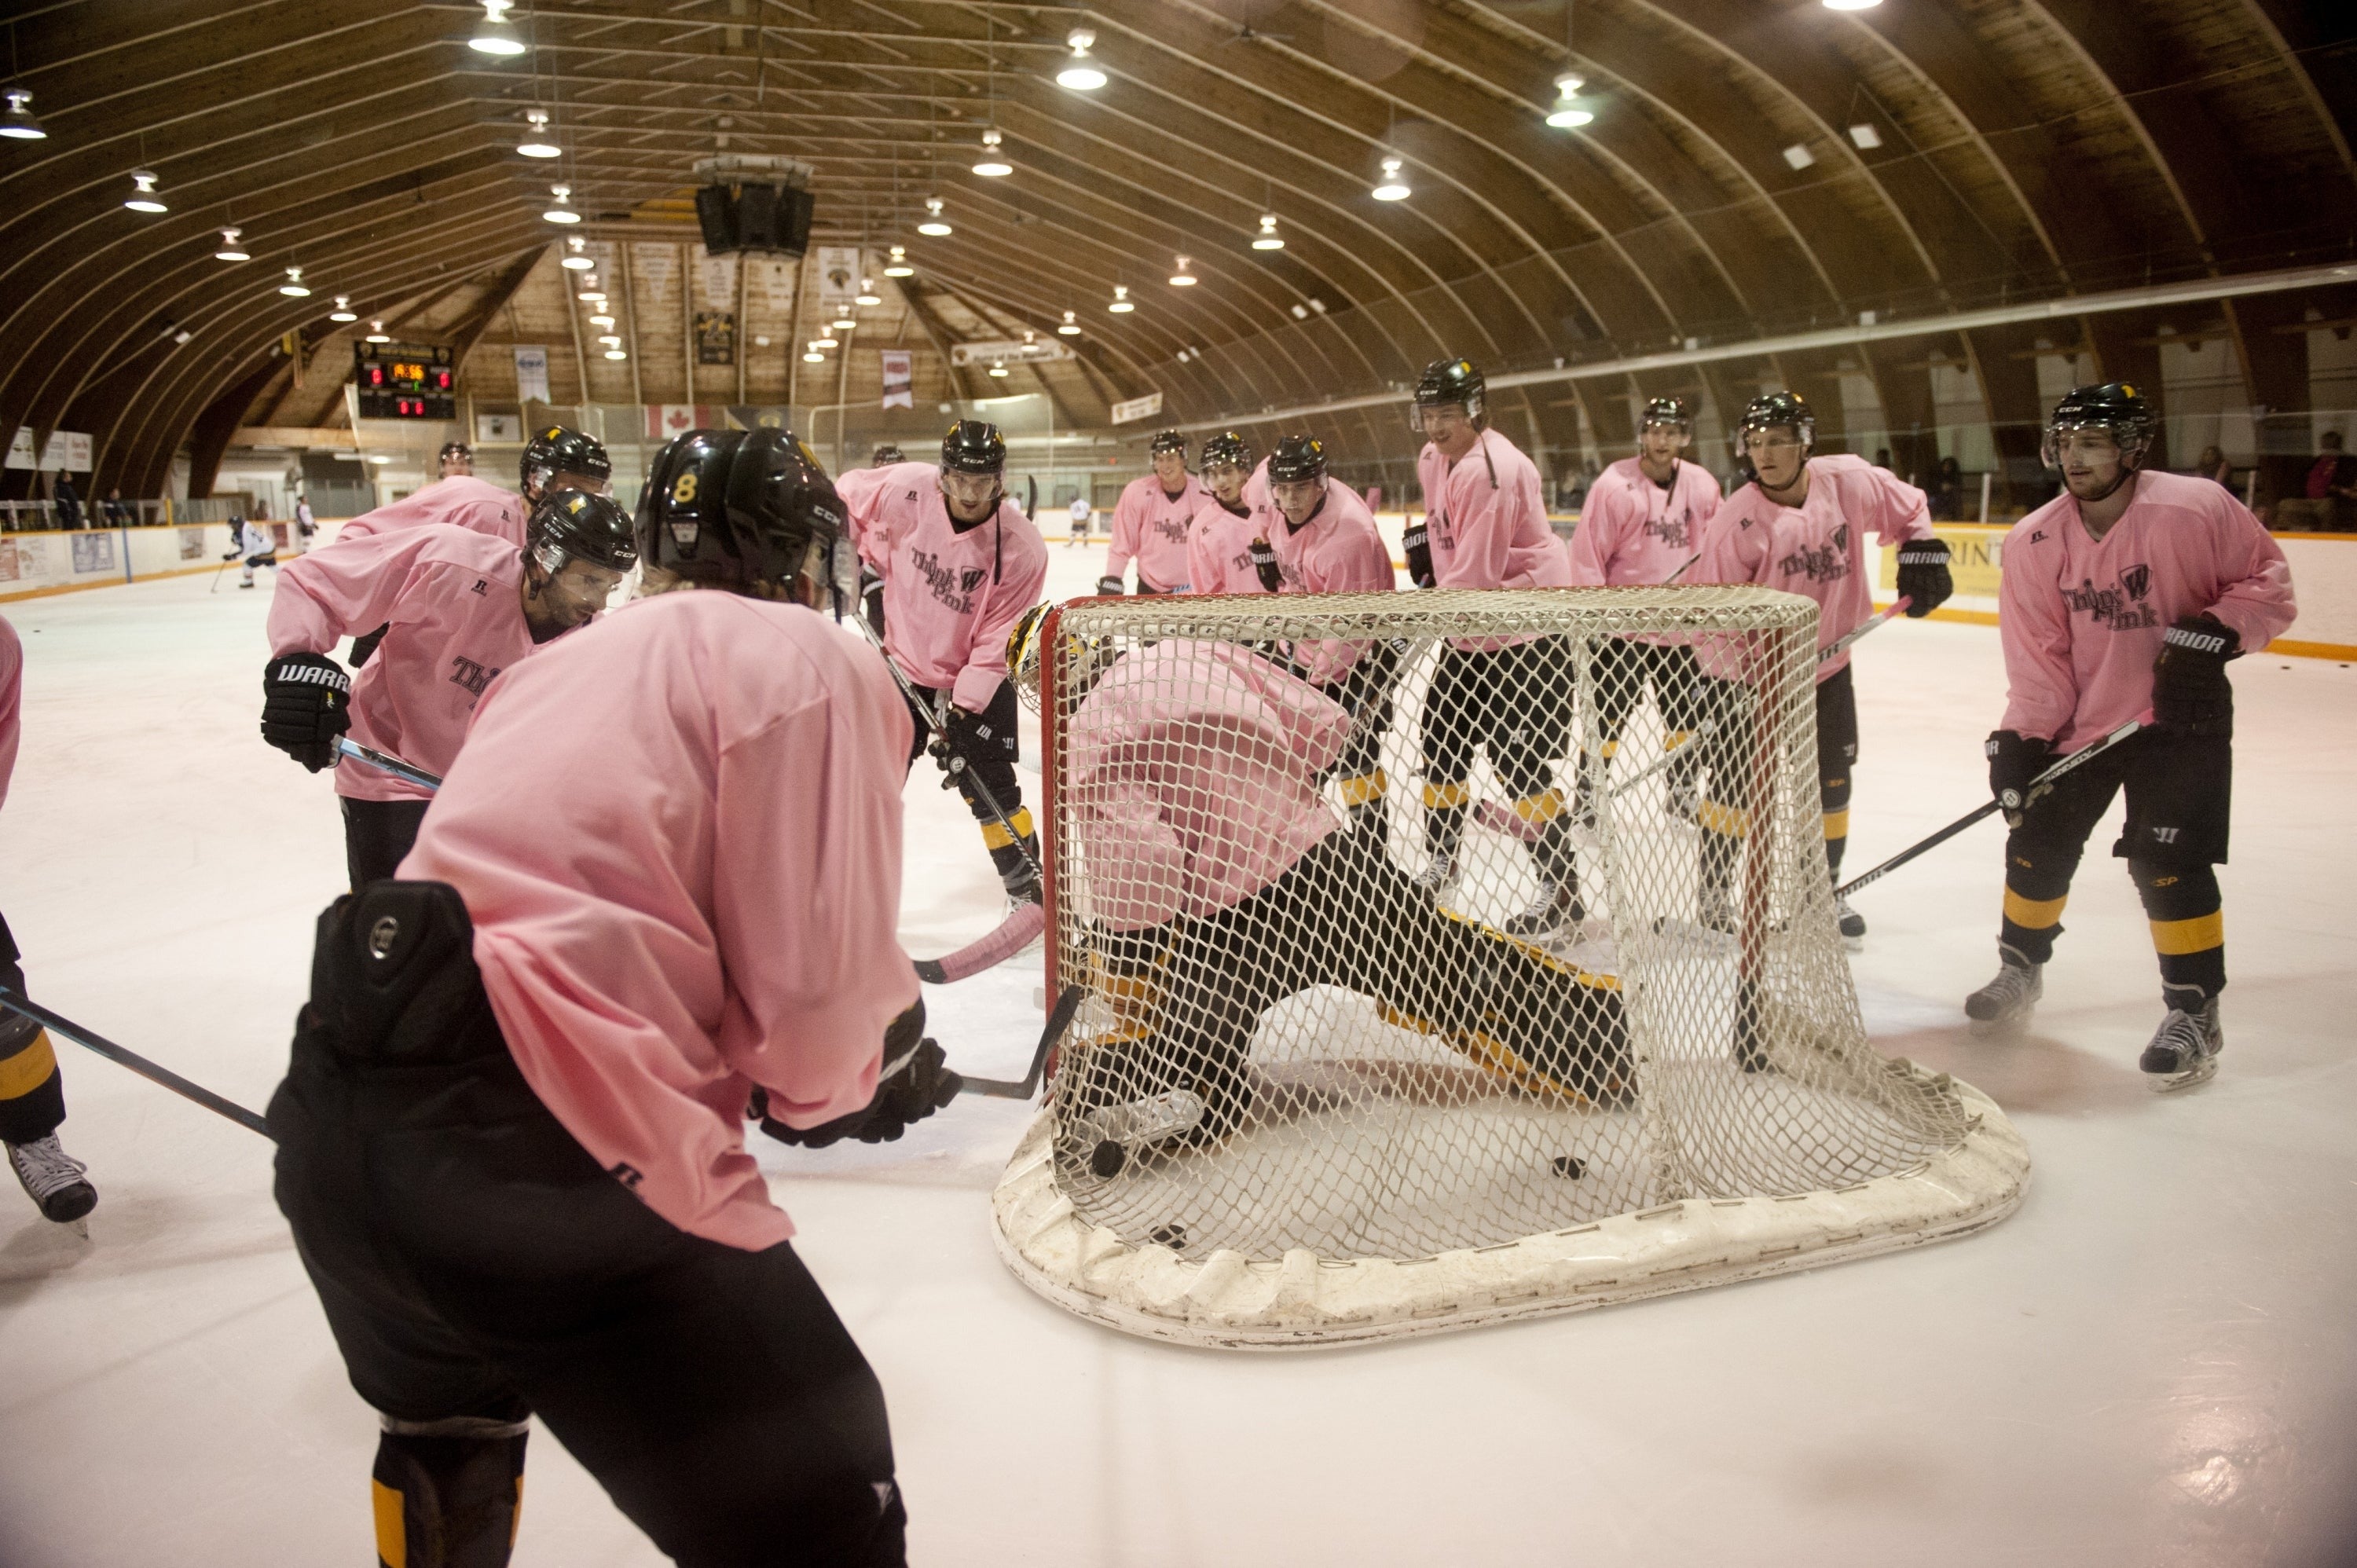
[1818,549]
[858,491]
[451,598]
[1193,780]
[1219,550]
[460,500]
[1151,528]
[11,714]
[2082,618]
[1634,533]
[678,833]
[1487,525]
[1338,551]
[951,597]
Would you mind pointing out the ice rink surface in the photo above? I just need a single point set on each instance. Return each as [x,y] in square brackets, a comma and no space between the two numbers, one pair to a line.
[2153,1362]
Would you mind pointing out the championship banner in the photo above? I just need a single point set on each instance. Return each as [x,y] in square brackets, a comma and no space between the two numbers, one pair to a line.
[531,373]
[899,380]
[1145,407]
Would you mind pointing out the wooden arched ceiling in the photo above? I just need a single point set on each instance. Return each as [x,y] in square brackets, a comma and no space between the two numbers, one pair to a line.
[2026,148]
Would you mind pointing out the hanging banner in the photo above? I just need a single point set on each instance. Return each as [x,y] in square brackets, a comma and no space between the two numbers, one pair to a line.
[531,374]
[20,448]
[665,420]
[899,380]
[1029,351]
[66,451]
[716,337]
[1145,407]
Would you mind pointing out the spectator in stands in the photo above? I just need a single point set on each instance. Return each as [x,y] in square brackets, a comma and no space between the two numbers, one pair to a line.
[67,502]
[2331,484]
[1881,458]
[118,511]
[1948,490]
[307,523]
[2214,468]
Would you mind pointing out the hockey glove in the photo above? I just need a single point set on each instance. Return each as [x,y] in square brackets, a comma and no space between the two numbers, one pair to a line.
[2190,692]
[1923,575]
[1109,587]
[1419,555]
[915,1082]
[1264,560]
[2014,760]
[306,704]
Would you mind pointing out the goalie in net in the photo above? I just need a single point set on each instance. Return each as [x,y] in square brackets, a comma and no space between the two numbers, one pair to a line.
[1307,1100]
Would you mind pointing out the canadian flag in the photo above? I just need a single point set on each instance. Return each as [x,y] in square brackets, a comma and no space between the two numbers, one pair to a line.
[669,419]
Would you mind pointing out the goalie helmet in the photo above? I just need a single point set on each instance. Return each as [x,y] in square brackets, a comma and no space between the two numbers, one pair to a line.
[2112,406]
[974,447]
[574,525]
[1023,654]
[1299,460]
[1167,441]
[1669,413]
[886,454]
[1228,449]
[1772,409]
[726,508]
[557,450]
[1448,382]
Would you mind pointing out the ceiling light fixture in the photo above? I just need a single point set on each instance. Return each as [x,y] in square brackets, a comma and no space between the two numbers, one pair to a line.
[1184,277]
[998,369]
[1081,73]
[1267,239]
[994,163]
[1865,137]
[824,343]
[932,227]
[615,354]
[343,311]
[1851,5]
[578,262]
[1071,327]
[563,212]
[232,248]
[592,291]
[536,143]
[1392,188]
[143,196]
[293,288]
[18,123]
[899,267]
[1568,110]
[843,324]
[610,340]
[1122,304]
[495,35]
[867,295]
[813,358]
[376,333]
[601,321]
[1799,156]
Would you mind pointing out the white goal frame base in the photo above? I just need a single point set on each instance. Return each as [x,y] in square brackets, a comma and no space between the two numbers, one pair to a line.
[1306,1301]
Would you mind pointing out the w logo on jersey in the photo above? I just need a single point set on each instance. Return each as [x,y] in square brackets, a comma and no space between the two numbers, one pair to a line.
[970,579]
[2137,581]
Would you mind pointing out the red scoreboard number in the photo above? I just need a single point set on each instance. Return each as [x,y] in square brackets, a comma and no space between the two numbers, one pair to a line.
[404,380]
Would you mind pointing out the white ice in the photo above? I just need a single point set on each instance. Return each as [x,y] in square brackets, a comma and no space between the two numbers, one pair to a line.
[2153,1362]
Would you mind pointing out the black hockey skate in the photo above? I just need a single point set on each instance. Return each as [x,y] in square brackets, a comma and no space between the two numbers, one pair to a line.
[54,1179]
[2003,1006]
[2184,1049]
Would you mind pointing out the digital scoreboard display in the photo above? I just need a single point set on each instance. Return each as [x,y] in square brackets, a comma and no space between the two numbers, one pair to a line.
[404,380]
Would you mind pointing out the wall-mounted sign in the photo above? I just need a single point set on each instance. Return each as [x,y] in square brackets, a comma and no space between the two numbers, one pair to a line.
[1145,407]
[1034,352]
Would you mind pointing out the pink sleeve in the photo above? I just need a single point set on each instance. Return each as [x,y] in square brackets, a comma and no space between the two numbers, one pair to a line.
[1598,535]
[1901,511]
[12,687]
[1018,590]
[1730,552]
[1128,518]
[350,586]
[2257,601]
[1203,572]
[2034,630]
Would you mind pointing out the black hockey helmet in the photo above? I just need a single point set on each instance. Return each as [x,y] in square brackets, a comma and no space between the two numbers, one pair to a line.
[1167,441]
[557,450]
[574,525]
[2112,406]
[975,447]
[1228,449]
[455,449]
[1670,411]
[1298,459]
[1772,409]
[726,507]
[1447,381]
[888,453]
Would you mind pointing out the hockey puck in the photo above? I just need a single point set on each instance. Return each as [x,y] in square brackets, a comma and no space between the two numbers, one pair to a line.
[1107,1158]
[1571,1167]
[1173,1235]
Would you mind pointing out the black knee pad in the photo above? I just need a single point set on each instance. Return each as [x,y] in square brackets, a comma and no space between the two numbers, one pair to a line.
[447,1500]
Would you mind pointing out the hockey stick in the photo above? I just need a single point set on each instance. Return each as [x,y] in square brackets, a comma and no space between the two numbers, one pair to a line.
[1881,618]
[1023,923]
[2084,754]
[1494,816]
[1059,1020]
[407,772]
[134,1061]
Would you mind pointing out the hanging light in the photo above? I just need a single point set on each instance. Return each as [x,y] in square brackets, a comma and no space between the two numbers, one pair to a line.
[932,226]
[17,122]
[495,35]
[601,321]
[615,354]
[343,311]
[867,295]
[844,324]
[1081,73]
[578,262]
[1568,110]
[1183,275]
[293,288]
[592,292]
[998,369]
[823,343]
[376,333]
[813,358]
[899,267]
[1267,239]
[1071,327]
[1122,304]
[232,248]
[994,163]
[563,212]
[536,143]
[143,196]
[1851,5]
[1391,188]
[610,340]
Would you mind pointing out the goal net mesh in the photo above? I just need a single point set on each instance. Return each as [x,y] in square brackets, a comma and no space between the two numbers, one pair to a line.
[1415,928]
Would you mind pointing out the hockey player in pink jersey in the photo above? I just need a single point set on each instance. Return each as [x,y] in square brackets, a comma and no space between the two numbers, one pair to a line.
[459,608]
[858,491]
[1485,526]
[1642,527]
[1800,524]
[2123,599]
[1233,512]
[455,460]
[961,564]
[662,879]
[1150,522]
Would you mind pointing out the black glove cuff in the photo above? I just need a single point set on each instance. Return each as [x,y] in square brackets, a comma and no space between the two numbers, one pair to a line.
[2204,634]
[1924,553]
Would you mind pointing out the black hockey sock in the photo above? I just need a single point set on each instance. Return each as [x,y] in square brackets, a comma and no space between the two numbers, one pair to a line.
[447,1500]
[1444,819]
[32,1098]
[2188,930]
[2037,886]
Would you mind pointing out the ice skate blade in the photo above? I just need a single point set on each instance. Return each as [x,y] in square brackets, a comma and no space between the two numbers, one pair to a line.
[2012,1026]
[2191,1078]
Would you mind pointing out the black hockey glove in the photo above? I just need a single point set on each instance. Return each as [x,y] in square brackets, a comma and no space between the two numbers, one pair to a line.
[1109,587]
[2191,695]
[2014,760]
[1419,555]
[306,704]
[1923,575]
[915,1082]
[1264,560]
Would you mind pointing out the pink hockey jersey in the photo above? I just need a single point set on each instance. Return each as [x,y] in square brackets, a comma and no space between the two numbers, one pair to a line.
[1817,550]
[12,709]
[2082,618]
[461,501]
[1338,551]
[451,598]
[1150,527]
[1487,518]
[951,598]
[858,491]
[1633,532]
[1192,782]
[1219,547]
[678,833]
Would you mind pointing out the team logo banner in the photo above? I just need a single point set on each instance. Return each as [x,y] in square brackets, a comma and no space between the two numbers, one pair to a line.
[899,380]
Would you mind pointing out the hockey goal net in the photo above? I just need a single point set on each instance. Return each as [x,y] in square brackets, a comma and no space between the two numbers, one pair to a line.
[1451,957]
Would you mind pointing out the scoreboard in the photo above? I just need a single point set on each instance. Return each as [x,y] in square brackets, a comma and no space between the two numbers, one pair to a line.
[404,380]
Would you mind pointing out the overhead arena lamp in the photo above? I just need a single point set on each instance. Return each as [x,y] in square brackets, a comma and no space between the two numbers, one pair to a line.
[610,340]
[843,324]
[601,321]
[813,358]
[1184,275]
[1392,188]
[233,247]
[615,354]
[1071,327]
[495,35]
[1081,73]
[143,196]
[343,311]
[294,287]
[1851,5]
[1268,239]
[992,163]
[563,212]
[578,262]
[867,295]
[536,143]
[376,333]
[899,267]
[1122,304]
[933,226]
[1569,110]
[592,291]
[827,342]
[998,369]
[17,121]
